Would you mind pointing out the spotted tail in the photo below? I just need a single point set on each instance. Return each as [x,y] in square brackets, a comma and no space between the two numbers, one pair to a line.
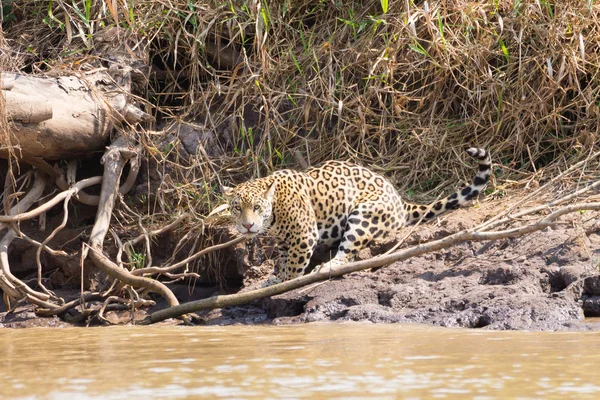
[415,211]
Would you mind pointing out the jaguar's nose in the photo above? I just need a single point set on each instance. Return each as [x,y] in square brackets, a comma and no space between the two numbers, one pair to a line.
[248,225]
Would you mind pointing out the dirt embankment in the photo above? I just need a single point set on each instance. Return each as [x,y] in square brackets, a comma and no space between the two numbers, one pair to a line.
[544,281]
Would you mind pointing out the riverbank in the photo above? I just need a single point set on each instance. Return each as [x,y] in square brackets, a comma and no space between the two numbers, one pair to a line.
[548,281]
[238,92]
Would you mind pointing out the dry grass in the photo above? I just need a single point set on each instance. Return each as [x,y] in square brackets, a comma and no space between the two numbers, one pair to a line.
[4,137]
[275,84]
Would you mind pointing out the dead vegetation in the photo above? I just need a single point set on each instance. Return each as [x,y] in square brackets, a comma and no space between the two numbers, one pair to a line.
[241,88]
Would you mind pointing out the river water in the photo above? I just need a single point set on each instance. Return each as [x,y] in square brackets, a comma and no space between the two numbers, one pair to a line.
[304,361]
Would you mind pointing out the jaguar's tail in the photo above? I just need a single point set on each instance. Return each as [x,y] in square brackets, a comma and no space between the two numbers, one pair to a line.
[417,212]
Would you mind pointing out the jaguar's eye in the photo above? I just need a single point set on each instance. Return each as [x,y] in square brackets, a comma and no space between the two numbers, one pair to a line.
[256,208]
[237,208]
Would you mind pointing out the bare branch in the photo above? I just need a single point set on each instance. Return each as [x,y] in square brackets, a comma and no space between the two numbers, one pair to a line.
[162,270]
[114,160]
[459,237]
[499,220]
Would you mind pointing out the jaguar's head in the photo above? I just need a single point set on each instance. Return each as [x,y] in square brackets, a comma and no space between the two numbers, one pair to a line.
[251,205]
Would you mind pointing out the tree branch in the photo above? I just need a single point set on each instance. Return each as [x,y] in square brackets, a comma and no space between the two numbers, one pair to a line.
[114,160]
[459,237]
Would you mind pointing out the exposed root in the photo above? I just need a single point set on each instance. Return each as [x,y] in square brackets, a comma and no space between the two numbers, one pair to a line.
[149,235]
[114,161]
[133,303]
[92,200]
[13,287]
[123,276]
[164,270]
[116,157]
[47,240]
[4,219]
[47,312]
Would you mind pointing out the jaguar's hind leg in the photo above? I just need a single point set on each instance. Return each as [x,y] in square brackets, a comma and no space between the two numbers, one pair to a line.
[367,222]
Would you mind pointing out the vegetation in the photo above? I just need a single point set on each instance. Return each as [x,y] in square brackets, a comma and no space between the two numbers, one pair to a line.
[400,86]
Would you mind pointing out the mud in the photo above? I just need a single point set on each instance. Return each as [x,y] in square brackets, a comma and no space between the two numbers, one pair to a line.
[548,280]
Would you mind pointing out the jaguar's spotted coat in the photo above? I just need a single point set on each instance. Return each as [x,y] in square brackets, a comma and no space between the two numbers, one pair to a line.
[336,201]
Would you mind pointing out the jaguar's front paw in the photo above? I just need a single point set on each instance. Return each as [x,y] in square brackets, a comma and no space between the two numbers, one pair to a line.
[325,267]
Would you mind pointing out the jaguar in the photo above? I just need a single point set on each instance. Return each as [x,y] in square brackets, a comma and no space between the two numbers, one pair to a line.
[336,202]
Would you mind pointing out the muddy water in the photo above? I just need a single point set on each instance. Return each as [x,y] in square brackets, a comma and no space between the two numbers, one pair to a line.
[307,361]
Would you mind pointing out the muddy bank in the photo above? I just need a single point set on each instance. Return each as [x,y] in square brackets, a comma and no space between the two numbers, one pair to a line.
[544,281]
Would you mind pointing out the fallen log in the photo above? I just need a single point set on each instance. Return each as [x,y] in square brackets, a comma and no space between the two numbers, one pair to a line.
[65,116]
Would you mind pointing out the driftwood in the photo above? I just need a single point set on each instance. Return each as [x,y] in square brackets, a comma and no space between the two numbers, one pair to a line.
[67,116]
[400,255]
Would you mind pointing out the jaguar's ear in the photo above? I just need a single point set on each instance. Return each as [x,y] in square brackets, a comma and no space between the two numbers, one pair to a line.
[271,191]
[227,191]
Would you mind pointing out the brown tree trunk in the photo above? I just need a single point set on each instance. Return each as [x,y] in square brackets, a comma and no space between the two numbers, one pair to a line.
[66,116]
